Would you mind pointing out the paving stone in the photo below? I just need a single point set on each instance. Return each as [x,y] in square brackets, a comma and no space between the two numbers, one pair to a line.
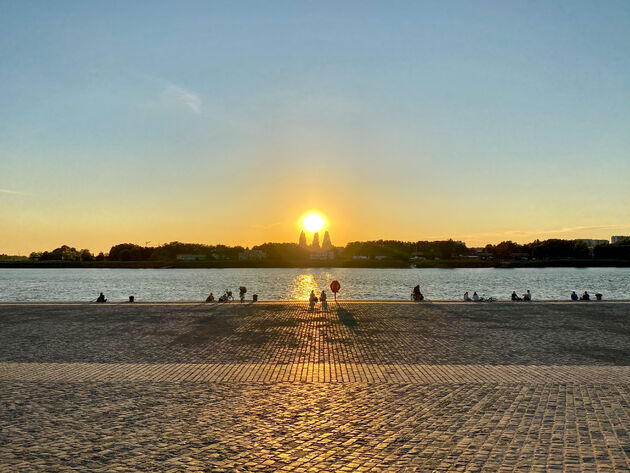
[273,387]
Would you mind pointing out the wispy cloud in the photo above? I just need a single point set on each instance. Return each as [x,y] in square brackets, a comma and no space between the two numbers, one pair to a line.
[185,97]
[9,191]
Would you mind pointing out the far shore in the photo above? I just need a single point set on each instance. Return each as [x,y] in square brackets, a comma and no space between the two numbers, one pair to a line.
[308,264]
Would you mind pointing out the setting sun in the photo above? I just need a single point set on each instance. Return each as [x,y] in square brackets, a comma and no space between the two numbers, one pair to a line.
[313,222]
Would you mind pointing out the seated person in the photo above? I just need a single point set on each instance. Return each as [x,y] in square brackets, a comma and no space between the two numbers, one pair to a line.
[101,298]
[416,293]
[467,297]
[476,297]
[210,298]
[585,297]
[527,296]
[574,296]
[515,297]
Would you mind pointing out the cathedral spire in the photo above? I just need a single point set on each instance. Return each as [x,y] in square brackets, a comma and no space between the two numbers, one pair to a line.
[315,244]
[326,244]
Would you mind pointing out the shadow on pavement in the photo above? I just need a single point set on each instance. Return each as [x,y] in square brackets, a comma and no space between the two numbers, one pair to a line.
[346,317]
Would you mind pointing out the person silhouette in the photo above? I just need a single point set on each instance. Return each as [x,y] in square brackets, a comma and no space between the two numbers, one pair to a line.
[323,297]
[101,298]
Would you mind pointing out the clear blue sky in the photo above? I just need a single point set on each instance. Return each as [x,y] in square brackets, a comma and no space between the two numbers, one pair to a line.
[225,121]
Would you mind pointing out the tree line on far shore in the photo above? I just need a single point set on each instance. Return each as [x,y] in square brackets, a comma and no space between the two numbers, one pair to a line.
[392,250]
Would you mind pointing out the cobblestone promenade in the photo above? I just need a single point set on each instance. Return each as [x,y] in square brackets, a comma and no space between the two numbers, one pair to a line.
[509,387]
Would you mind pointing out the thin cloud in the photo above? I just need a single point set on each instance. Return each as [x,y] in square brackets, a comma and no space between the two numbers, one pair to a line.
[9,191]
[185,97]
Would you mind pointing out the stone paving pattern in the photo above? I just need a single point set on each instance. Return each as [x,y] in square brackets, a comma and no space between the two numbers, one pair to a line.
[387,387]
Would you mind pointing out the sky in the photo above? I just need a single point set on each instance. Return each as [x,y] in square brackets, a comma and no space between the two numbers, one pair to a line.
[224,122]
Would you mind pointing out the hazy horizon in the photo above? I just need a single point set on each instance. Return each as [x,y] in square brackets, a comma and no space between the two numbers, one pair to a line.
[222,122]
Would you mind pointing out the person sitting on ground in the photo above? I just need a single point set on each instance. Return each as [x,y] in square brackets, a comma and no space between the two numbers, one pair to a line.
[476,297]
[417,293]
[515,297]
[210,298]
[467,297]
[101,298]
[322,298]
[527,296]
[574,296]
[312,300]
[585,297]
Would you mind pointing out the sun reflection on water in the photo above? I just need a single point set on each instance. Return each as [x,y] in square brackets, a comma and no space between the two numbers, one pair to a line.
[302,287]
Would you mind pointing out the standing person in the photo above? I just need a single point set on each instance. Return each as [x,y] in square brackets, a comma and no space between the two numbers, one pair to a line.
[241,293]
[322,298]
[101,298]
[312,300]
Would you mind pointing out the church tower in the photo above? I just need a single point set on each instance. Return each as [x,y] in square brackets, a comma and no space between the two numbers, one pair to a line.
[303,240]
[326,244]
[315,244]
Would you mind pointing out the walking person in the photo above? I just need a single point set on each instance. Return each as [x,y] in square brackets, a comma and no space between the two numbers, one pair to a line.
[312,300]
[322,298]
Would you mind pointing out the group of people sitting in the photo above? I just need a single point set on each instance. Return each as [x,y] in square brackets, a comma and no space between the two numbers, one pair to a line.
[476,298]
[227,296]
[585,297]
[526,297]
[312,300]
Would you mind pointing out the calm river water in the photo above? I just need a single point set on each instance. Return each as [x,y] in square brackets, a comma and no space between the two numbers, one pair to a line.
[195,284]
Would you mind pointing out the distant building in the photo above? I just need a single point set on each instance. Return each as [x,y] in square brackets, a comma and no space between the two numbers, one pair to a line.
[592,243]
[480,253]
[252,255]
[360,257]
[322,255]
[615,239]
[190,257]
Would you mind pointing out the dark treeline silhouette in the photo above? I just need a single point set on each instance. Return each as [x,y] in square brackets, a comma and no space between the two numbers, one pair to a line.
[66,253]
[447,249]
[547,249]
[386,250]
